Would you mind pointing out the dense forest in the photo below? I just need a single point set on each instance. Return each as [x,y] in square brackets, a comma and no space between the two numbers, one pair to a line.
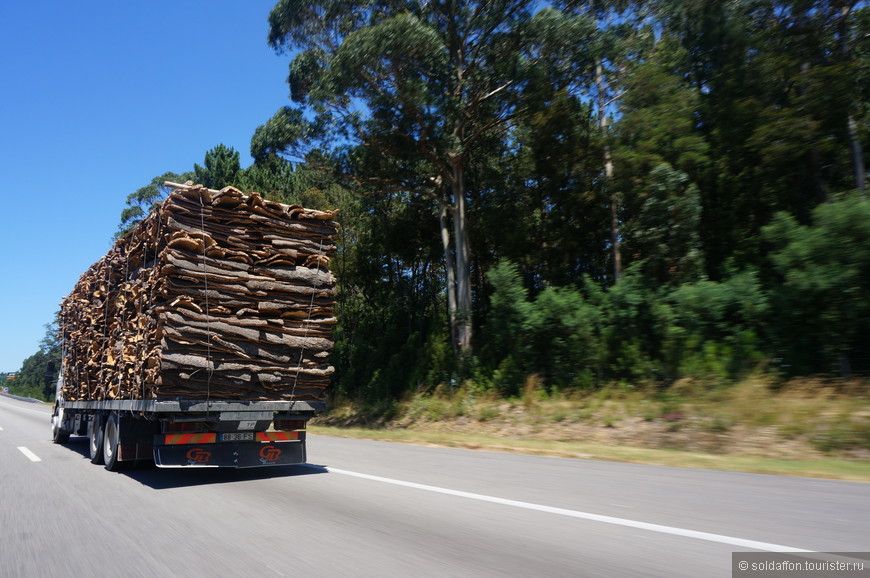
[585,192]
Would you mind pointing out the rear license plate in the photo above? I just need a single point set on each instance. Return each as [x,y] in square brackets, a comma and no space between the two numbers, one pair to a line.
[247,436]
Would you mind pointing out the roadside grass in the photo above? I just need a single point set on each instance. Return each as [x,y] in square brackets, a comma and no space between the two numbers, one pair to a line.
[809,427]
[831,468]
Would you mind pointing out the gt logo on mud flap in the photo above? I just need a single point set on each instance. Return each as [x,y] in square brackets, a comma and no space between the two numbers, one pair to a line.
[269,454]
[198,456]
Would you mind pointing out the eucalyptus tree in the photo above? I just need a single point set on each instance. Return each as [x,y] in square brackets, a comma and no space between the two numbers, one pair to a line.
[624,36]
[411,91]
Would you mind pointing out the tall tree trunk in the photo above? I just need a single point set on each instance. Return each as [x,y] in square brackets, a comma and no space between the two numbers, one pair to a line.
[450,265]
[458,46]
[857,152]
[463,269]
[608,172]
[857,157]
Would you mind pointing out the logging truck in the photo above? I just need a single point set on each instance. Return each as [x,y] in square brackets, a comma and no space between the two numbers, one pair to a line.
[186,433]
[202,338]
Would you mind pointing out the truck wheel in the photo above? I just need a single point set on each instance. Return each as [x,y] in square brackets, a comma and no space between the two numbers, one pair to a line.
[58,435]
[111,438]
[95,438]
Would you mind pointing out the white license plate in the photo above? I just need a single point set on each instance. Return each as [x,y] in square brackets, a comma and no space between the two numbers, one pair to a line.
[237,437]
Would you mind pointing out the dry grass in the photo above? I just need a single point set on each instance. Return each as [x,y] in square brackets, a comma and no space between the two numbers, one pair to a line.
[807,427]
[825,467]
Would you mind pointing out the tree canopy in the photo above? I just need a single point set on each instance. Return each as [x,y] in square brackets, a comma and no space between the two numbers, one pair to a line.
[585,191]
[618,168]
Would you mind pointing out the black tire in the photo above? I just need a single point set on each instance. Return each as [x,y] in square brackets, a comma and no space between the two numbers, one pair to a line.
[111,439]
[95,438]
[58,435]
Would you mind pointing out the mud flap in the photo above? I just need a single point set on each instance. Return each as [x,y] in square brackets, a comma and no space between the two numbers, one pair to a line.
[223,455]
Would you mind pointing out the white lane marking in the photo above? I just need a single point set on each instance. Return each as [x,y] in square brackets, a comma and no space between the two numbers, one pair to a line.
[1,429]
[32,456]
[740,542]
[47,411]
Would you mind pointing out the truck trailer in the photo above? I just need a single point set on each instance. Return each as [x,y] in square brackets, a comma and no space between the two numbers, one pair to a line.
[202,338]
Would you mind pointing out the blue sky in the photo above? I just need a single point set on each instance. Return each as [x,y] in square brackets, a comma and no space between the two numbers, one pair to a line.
[97,98]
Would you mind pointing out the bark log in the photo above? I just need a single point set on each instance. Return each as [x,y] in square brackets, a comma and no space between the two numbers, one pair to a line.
[215,293]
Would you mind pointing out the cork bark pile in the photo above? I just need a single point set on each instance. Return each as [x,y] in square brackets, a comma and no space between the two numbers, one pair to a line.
[215,295]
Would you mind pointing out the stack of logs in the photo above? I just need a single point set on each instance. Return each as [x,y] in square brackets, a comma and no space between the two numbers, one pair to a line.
[214,295]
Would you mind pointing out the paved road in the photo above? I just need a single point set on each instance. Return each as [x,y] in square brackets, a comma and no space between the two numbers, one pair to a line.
[378,509]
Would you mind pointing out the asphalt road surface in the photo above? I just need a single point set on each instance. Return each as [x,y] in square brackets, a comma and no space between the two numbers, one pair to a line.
[364,508]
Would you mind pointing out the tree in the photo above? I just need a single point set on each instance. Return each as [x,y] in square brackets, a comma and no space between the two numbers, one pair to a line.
[271,176]
[545,208]
[415,90]
[822,286]
[38,374]
[658,122]
[623,35]
[222,168]
[140,202]
[780,88]
[665,233]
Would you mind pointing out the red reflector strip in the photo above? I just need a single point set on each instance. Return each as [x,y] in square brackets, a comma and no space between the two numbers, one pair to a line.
[277,436]
[190,438]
